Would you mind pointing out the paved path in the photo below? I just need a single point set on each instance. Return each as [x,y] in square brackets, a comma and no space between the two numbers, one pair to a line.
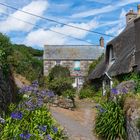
[78,123]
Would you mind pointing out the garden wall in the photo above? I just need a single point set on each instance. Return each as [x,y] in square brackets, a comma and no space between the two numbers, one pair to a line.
[7,90]
[132,107]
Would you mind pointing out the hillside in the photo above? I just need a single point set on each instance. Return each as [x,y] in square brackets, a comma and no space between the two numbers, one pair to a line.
[24,60]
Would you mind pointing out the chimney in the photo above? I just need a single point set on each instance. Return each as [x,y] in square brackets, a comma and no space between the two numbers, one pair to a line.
[102,42]
[130,16]
[138,9]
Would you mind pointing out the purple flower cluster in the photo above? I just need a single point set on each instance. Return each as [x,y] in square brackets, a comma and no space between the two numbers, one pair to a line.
[55,129]
[101,110]
[16,115]
[43,128]
[35,83]
[32,88]
[49,137]
[114,91]
[50,94]
[25,136]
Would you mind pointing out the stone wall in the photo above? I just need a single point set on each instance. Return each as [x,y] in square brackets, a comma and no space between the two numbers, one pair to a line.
[7,91]
[70,64]
[132,108]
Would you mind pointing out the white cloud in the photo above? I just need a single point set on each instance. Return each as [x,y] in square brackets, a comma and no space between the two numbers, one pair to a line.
[11,24]
[41,37]
[2,8]
[117,29]
[104,9]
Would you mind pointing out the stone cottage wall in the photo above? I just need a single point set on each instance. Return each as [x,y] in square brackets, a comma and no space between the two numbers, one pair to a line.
[48,65]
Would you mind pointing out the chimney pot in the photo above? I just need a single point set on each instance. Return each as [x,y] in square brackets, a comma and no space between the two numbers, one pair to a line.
[102,42]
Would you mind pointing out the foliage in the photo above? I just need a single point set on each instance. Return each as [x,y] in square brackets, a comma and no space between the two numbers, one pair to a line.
[59,80]
[58,72]
[24,60]
[131,76]
[25,63]
[70,93]
[86,92]
[60,85]
[5,51]
[94,64]
[31,119]
[110,122]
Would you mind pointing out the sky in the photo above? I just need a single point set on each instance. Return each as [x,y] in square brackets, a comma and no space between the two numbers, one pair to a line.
[104,16]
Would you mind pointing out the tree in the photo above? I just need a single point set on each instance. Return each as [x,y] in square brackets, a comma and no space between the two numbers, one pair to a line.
[59,80]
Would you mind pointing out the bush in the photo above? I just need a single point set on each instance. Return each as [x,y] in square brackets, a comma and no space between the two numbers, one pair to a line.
[58,72]
[110,122]
[60,85]
[86,92]
[59,80]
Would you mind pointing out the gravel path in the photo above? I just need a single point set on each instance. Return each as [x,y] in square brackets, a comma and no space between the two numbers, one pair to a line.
[78,123]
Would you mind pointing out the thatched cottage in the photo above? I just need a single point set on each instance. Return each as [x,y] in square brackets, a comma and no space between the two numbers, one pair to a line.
[122,53]
[76,57]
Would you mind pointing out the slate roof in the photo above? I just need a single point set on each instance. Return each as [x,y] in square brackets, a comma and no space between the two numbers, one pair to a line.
[72,52]
[124,46]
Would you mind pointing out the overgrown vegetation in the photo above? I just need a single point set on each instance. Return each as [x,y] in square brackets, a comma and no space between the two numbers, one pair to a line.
[22,59]
[59,81]
[86,92]
[30,119]
[5,51]
[110,122]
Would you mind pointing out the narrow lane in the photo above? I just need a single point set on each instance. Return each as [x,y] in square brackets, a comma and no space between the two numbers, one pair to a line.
[78,123]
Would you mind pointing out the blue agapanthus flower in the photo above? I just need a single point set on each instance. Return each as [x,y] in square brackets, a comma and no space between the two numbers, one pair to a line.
[25,136]
[55,129]
[35,83]
[114,91]
[50,94]
[49,137]
[16,115]
[43,128]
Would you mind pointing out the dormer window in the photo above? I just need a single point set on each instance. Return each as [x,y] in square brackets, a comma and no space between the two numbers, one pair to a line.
[111,55]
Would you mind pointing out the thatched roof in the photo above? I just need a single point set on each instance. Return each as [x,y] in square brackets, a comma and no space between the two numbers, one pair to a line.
[124,46]
[72,52]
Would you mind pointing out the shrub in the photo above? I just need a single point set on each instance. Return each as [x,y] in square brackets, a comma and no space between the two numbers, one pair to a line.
[58,72]
[86,92]
[59,80]
[110,122]
[60,85]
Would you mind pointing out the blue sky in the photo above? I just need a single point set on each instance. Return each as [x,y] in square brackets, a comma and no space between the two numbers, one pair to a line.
[105,16]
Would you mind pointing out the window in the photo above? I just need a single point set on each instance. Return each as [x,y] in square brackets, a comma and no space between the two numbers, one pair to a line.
[111,55]
[58,62]
[77,65]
